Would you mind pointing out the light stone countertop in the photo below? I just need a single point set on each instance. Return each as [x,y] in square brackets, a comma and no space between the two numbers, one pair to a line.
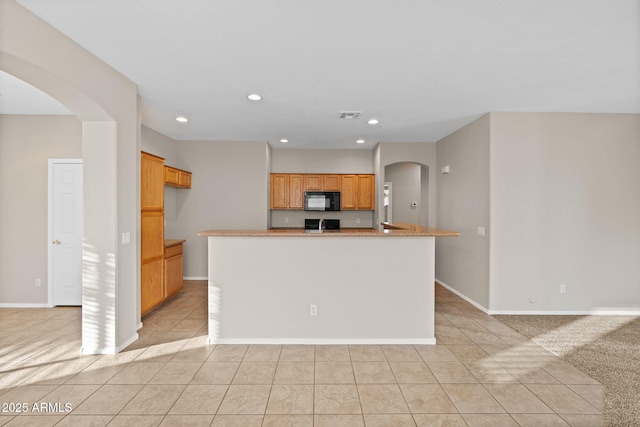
[344,232]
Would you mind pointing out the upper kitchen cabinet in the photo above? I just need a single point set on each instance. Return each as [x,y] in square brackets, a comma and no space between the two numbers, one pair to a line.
[331,183]
[321,182]
[152,182]
[287,191]
[313,183]
[357,192]
[296,192]
[177,178]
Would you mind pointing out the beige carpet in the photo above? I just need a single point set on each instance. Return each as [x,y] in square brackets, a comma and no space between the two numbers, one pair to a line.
[607,348]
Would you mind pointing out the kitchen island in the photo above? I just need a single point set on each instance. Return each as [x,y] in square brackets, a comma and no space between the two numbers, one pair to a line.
[352,286]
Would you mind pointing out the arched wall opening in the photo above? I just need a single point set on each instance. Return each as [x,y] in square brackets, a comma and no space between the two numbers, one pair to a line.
[408,184]
[106,103]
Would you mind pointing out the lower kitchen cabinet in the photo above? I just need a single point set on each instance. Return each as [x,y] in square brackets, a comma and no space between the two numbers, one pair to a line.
[173,269]
[152,286]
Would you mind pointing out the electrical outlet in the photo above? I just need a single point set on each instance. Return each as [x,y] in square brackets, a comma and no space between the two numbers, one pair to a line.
[313,310]
[563,289]
[286,220]
[38,283]
[357,220]
[126,237]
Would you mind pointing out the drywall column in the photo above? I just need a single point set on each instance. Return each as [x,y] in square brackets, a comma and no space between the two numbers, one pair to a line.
[99,141]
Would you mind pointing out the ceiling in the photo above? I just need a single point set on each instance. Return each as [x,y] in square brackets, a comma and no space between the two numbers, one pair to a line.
[423,68]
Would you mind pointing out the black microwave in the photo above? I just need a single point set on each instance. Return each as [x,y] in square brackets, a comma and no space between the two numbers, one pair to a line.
[321,200]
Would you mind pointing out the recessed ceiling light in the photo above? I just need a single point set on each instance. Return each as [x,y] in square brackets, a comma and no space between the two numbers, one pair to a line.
[254,97]
[360,141]
[373,121]
[182,119]
[284,141]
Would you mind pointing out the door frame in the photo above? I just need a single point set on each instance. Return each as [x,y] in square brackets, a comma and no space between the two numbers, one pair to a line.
[52,162]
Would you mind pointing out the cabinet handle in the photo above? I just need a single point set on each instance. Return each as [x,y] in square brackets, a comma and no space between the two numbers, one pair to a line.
[57,242]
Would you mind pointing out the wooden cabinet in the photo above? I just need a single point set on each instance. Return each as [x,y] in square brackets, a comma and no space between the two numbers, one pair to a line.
[357,191]
[173,273]
[348,192]
[185,179]
[152,182]
[161,268]
[171,176]
[331,183]
[313,183]
[321,182]
[279,191]
[287,191]
[151,231]
[174,177]
[152,286]
[296,192]
[365,192]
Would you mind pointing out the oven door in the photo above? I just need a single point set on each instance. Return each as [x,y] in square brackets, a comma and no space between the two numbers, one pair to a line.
[316,202]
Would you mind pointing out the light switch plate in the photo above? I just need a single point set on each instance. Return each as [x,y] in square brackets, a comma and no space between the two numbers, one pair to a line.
[126,237]
[481,231]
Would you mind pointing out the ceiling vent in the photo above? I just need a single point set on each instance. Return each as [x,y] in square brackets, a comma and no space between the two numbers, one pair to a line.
[348,115]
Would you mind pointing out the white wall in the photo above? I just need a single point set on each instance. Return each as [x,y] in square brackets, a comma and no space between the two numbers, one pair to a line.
[565,209]
[26,144]
[463,205]
[321,161]
[229,191]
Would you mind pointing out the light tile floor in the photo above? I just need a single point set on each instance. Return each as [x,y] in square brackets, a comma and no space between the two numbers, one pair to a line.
[481,373]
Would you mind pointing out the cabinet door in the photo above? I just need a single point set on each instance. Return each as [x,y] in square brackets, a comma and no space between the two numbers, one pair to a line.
[331,183]
[184,179]
[296,192]
[279,191]
[313,182]
[365,192]
[171,175]
[173,275]
[348,192]
[151,235]
[152,182]
[151,284]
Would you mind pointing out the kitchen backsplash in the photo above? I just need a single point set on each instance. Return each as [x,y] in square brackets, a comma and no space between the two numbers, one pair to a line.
[348,219]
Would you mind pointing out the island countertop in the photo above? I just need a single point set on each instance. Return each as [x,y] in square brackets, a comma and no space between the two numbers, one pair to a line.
[344,232]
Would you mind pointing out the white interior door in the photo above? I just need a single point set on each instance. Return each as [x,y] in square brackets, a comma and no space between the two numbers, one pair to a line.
[65,211]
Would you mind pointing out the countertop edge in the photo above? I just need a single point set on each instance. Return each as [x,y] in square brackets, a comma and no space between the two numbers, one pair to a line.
[431,232]
[173,242]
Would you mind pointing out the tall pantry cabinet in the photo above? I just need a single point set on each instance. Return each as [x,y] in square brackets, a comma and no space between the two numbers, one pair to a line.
[152,231]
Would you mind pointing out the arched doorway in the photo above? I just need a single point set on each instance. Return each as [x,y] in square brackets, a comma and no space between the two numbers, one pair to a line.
[407,184]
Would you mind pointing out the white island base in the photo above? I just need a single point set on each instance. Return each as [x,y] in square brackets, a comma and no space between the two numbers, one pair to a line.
[367,290]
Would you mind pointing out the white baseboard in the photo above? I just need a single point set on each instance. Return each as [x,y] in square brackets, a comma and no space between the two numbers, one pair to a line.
[594,312]
[195,278]
[23,305]
[315,341]
[567,313]
[463,296]
[109,350]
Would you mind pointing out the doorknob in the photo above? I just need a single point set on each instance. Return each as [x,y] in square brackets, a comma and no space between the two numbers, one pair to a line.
[57,242]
